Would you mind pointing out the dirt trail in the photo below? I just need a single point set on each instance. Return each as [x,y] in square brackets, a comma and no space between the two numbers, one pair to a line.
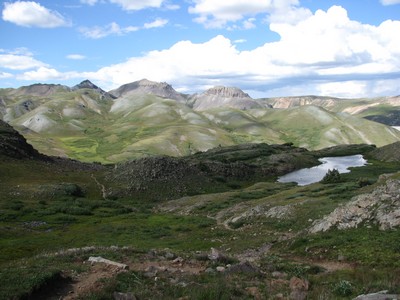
[89,281]
[102,187]
[98,274]
[328,265]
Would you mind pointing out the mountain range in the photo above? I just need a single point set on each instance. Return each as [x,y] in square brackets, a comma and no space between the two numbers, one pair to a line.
[146,118]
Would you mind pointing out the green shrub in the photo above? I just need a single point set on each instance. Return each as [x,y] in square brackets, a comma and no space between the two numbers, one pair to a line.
[343,288]
[332,176]
[364,182]
[72,189]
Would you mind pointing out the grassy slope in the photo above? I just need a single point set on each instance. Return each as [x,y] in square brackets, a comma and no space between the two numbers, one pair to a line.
[41,214]
[82,125]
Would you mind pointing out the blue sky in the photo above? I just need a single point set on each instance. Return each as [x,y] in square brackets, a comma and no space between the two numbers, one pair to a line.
[266,47]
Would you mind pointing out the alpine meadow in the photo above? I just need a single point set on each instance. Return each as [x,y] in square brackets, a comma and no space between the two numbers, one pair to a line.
[206,150]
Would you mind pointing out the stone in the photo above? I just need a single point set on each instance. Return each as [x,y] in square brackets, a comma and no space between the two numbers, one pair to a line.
[244,267]
[220,269]
[382,295]
[255,292]
[214,255]
[123,296]
[98,259]
[170,256]
[296,283]
[279,275]
[299,288]
[178,260]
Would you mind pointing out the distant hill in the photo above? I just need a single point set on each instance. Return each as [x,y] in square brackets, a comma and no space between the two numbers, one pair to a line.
[148,118]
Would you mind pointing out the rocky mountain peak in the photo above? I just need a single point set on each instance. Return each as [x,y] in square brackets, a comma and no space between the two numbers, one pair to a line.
[86,84]
[227,92]
[144,86]
[146,82]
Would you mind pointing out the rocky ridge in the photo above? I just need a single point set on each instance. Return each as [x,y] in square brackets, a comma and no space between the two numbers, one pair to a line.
[380,207]
[14,145]
[39,89]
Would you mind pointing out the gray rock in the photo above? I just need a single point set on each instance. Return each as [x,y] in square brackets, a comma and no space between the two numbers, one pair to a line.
[382,295]
[244,267]
[170,256]
[382,206]
[123,296]
[220,269]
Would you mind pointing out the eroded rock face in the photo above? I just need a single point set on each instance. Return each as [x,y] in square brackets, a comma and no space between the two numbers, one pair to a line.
[381,207]
[223,91]
[222,96]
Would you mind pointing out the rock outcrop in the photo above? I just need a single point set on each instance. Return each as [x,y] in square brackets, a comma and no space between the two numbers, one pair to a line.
[221,96]
[381,207]
[13,144]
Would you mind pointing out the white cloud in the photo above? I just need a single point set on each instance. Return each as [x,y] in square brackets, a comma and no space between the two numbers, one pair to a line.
[155,24]
[390,2]
[216,14]
[99,32]
[89,2]
[42,73]
[76,56]
[134,5]
[249,23]
[32,14]
[325,47]
[19,62]
[172,6]
[325,53]
[138,5]
[4,75]
[113,28]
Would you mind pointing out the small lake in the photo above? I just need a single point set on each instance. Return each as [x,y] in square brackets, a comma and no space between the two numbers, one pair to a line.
[315,174]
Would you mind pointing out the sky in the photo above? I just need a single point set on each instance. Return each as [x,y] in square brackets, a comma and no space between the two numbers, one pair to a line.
[268,48]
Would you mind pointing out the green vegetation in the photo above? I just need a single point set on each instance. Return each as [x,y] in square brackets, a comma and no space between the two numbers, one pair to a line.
[162,216]
[332,176]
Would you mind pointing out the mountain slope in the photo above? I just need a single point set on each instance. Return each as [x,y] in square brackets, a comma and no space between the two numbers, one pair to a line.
[148,118]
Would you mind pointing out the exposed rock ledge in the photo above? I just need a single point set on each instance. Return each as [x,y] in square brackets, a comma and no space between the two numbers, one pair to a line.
[381,207]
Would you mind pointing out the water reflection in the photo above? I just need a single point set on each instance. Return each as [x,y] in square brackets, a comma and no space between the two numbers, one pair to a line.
[315,174]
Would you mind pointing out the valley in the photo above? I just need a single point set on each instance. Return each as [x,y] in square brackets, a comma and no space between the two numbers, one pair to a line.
[146,193]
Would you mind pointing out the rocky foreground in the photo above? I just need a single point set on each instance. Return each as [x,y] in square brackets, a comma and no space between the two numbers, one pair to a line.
[380,207]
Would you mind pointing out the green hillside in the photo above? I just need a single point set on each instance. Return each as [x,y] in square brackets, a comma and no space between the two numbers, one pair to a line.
[206,226]
[88,124]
